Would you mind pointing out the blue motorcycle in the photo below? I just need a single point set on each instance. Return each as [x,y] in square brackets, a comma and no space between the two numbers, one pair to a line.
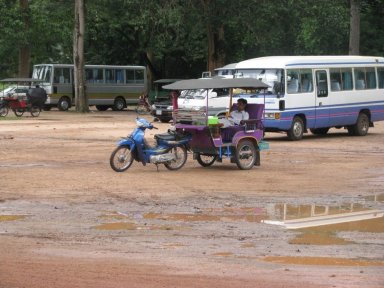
[170,149]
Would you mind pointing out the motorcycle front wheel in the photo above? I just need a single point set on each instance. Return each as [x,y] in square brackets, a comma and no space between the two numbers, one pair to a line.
[180,153]
[121,158]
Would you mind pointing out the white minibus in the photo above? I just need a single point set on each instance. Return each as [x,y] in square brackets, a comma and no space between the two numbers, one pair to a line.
[318,92]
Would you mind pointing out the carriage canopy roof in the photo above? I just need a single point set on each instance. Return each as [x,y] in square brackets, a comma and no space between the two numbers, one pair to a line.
[210,83]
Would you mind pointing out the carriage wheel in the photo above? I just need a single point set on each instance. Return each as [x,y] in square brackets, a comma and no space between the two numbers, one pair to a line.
[245,155]
[35,111]
[18,112]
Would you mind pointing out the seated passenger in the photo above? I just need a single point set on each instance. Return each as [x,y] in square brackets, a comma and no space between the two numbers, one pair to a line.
[236,116]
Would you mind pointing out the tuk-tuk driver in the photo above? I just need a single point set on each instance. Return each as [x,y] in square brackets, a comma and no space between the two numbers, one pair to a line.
[236,116]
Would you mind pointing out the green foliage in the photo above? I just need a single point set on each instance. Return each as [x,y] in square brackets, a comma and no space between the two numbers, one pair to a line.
[173,35]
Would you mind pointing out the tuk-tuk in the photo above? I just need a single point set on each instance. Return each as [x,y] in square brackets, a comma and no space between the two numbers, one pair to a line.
[210,140]
[25,99]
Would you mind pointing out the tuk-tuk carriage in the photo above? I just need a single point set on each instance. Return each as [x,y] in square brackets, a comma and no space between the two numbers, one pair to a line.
[210,140]
[32,100]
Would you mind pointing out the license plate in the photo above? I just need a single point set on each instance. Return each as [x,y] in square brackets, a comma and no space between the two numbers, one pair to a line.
[158,112]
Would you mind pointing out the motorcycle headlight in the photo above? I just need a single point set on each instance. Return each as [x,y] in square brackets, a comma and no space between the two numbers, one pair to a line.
[140,122]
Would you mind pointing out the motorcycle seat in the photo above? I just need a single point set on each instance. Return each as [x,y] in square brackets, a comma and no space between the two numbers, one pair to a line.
[165,136]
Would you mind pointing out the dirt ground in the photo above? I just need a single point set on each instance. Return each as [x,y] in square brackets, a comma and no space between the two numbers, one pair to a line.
[68,220]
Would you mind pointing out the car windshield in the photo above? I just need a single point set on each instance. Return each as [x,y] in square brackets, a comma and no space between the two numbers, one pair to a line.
[13,89]
[6,90]
[195,94]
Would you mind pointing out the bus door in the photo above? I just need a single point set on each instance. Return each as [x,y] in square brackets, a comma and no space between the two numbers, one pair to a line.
[322,100]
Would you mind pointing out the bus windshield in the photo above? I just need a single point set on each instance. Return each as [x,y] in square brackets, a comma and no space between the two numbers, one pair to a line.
[42,72]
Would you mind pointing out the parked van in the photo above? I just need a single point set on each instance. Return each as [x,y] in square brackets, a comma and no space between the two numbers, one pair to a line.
[196,100]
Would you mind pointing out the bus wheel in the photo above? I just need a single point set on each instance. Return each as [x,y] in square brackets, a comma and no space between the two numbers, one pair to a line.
[361,127]
[297,129]
[319,131]
[64,104]
[102,107]
[119,104]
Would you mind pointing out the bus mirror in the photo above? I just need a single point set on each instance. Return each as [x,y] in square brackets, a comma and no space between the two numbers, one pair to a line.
[282,105]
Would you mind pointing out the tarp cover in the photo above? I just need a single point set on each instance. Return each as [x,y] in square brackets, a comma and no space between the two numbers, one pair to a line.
[37,96]
[210,83]
[21,80]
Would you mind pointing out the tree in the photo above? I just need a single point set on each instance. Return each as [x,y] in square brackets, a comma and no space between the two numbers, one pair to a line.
[24,47]
[354,34]
[81,100]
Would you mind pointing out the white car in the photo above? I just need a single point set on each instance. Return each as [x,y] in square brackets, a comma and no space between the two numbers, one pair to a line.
[15,92]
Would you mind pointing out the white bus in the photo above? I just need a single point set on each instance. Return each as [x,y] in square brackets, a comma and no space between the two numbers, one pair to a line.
[318,92]
[106,86]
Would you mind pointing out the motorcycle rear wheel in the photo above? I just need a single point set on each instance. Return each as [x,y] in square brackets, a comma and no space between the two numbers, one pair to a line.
[121,158]
[18,112]
[181,157]
[206,160]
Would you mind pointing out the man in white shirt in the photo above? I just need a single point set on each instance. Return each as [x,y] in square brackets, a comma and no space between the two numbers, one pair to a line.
[236,116]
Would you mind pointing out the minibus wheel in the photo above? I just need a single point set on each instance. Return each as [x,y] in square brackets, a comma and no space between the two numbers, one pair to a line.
[361,127]
[297,129]
[64,104]
[119,104]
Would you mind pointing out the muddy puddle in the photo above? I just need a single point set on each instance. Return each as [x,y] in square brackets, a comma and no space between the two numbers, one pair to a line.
[324,261]
[316,224]
[4,218]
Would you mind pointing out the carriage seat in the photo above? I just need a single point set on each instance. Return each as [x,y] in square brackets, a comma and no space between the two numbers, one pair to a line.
[255,112]
[254,122]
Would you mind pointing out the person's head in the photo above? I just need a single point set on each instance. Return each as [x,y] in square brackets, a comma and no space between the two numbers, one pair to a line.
[37,86]
[241,104]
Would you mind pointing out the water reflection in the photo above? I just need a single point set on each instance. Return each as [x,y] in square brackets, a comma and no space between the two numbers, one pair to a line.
[304,216]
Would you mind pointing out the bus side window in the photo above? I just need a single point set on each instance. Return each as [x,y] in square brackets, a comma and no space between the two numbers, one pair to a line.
[293,81]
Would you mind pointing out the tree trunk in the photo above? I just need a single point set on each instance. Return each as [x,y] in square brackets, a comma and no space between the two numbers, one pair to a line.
[354,34]
[24,53]
[81,100]
[215,37]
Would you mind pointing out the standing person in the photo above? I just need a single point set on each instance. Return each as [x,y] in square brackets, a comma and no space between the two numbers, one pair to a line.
[37,96]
